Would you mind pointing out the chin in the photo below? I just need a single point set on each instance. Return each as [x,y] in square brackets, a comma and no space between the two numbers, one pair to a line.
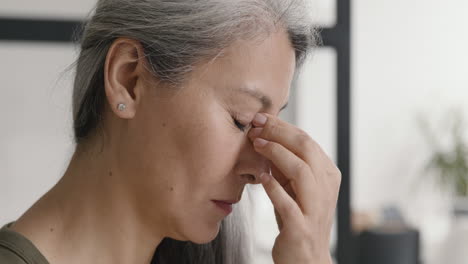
[207,236]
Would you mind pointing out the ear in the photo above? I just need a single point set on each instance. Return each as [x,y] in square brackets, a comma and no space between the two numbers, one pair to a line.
[122,69]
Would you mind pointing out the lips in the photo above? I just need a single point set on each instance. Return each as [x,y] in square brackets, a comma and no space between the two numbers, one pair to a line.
[225,206]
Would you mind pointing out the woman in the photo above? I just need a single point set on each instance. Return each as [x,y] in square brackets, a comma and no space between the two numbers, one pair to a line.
[175,111]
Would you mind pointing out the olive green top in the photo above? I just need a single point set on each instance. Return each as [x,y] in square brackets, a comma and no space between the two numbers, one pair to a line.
[17,249]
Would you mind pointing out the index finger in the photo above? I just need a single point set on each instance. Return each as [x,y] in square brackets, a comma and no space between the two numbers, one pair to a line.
[288,135]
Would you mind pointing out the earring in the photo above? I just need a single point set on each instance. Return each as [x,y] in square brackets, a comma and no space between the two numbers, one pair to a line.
[121,106]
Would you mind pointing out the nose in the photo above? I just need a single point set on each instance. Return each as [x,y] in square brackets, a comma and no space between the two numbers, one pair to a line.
[251,178]
[251,165]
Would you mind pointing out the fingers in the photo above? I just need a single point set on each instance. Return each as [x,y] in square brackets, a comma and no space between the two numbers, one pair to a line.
[285,206]
[284,133]
[293,168]
[292,137]
[298,157]
[305,185]
[276,173]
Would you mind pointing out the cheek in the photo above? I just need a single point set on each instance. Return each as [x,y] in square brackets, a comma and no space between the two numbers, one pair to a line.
[213,149]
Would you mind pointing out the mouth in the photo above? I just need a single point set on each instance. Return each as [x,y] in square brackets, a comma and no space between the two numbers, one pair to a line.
[224,206]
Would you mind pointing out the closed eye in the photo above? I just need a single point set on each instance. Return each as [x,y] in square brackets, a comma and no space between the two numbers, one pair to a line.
[239,125]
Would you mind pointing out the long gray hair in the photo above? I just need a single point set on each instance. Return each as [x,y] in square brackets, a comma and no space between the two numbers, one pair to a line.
[175,35]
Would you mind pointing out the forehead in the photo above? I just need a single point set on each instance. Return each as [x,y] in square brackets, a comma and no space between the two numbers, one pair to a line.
[267,66]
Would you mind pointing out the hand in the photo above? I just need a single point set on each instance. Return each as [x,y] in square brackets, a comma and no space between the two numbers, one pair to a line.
[303,189]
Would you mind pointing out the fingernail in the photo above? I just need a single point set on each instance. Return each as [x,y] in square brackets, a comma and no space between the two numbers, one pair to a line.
[260,142]
[259,119]
[255,132]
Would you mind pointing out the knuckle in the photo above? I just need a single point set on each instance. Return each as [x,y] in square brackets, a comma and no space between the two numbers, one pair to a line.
[272,129]
[334,171]
[303,139]
[336,176]
[302,170]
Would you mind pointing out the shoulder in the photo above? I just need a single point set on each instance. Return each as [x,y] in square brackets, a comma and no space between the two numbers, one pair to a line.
[9,256]
[17,249]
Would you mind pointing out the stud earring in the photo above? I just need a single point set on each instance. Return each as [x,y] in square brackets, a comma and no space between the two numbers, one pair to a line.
[121,106]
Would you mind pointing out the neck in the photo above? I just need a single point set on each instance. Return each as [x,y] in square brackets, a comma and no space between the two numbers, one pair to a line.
[89,216]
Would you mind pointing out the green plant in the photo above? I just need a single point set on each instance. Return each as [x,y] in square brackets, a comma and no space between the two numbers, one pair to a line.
[450,163]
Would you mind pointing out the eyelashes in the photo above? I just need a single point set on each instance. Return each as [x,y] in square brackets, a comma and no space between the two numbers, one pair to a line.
[240,125]
[236,116]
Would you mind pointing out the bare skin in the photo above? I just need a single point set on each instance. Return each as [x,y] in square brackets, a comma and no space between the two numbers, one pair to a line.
[157,165]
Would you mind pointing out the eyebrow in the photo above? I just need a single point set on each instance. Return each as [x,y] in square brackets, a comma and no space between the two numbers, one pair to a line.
[265,100]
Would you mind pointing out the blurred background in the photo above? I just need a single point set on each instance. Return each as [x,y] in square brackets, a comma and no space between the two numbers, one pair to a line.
[386,96]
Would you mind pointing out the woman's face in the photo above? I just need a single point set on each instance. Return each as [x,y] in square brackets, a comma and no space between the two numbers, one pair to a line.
[184,148]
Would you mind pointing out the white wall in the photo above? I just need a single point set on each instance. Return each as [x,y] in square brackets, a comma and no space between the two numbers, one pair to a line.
[35,135]
[46,8]
[409,56]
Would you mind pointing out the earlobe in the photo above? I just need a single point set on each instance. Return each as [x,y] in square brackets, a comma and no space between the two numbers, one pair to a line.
[121,106]
[122,69]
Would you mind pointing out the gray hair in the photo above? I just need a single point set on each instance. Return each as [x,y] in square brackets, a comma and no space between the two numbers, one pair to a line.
[175,36]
